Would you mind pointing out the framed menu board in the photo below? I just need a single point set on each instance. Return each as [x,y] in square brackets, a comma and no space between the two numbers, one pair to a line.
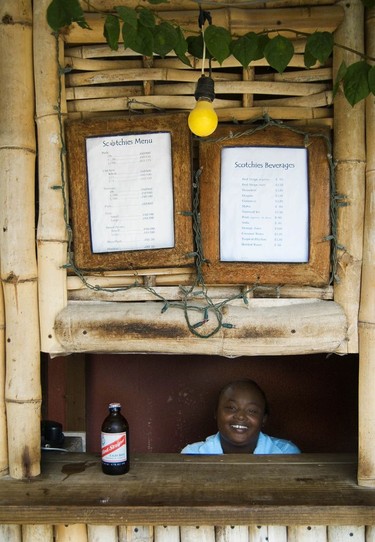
[265,207]
[130,187]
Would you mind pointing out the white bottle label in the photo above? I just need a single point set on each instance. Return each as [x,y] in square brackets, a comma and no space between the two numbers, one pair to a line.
[114,449]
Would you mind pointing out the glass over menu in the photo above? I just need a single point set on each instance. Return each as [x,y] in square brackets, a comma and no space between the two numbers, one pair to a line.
[264,210]
[130,186]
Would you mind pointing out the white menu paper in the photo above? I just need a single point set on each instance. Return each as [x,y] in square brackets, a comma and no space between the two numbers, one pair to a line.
[264,205]
[130,185]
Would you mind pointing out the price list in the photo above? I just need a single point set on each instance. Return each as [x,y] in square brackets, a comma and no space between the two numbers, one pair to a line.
[130,185]
[264,205]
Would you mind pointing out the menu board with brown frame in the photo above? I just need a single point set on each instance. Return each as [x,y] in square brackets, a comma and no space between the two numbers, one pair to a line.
[130,191]
[265,206]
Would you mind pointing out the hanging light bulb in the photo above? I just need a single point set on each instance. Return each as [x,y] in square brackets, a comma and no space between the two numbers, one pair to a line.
[203,119]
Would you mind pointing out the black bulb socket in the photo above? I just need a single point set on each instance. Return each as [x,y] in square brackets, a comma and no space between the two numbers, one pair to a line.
[205,88]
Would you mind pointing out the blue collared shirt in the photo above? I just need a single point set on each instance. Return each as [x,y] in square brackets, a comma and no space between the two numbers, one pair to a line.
[265,445]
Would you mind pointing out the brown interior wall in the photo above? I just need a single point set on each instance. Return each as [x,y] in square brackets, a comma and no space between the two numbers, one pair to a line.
[169,400]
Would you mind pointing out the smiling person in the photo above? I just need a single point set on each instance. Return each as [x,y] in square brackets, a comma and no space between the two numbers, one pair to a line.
[241,412]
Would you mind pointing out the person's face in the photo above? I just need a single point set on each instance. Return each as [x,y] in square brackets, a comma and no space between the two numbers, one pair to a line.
[240,416]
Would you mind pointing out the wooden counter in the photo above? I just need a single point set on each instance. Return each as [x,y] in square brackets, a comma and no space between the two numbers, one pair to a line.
[173,489]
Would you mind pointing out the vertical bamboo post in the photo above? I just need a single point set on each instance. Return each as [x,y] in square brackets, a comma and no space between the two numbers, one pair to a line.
[349,154]
[17,239]
[3,422]
[51,234]
[366,458]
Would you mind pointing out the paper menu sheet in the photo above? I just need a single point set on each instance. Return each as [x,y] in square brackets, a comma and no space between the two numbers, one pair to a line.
[130,186]
[264,205]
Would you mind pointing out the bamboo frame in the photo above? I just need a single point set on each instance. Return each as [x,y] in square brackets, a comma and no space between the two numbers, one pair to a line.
[3,422]
[350,155]
[17,242]
[51,232]
[181,161]
[366,468]
[314,272]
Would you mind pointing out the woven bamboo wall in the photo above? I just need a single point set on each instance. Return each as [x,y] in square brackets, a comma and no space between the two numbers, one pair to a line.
[101,82]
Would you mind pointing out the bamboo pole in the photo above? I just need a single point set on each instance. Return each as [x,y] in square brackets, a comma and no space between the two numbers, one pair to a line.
[238,21]
[51,234]
[298,327]
[107,5]
[366,466]
[183,78]
[174,293]
[17,241]
[349,153]
[3,423]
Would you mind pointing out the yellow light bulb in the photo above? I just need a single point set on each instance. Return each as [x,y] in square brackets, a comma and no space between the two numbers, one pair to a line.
[203,120]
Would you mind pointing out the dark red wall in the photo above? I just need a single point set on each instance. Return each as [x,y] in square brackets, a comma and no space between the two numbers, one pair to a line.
[169,400]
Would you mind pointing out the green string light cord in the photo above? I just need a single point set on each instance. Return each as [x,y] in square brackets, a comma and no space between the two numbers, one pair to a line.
[198,290]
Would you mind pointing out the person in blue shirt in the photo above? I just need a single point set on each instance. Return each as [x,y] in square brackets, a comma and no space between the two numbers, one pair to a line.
[241,412]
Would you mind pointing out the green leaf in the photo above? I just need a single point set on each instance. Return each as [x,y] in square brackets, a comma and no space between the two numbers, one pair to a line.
[339,77]
[129,35]
[217,41]
[165,38]
[319,45]
[146,18]
[62,13]
[128,15]
[195,46]
[181,47]
[355,82]
[371,79]
[142,42]
[309,59]
[112,31]
[279,52]
[246,48]
[263,41]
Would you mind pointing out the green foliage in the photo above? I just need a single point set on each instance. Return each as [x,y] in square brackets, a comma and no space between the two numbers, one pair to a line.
[248,48]
[62,13]
[357,80]
[218,41]
[145,33]
[319,47]
[278,52]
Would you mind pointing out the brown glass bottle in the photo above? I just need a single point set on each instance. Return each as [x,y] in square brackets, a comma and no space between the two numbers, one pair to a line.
[115,442]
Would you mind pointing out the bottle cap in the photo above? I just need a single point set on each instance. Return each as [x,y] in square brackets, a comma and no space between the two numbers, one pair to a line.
[114,405]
